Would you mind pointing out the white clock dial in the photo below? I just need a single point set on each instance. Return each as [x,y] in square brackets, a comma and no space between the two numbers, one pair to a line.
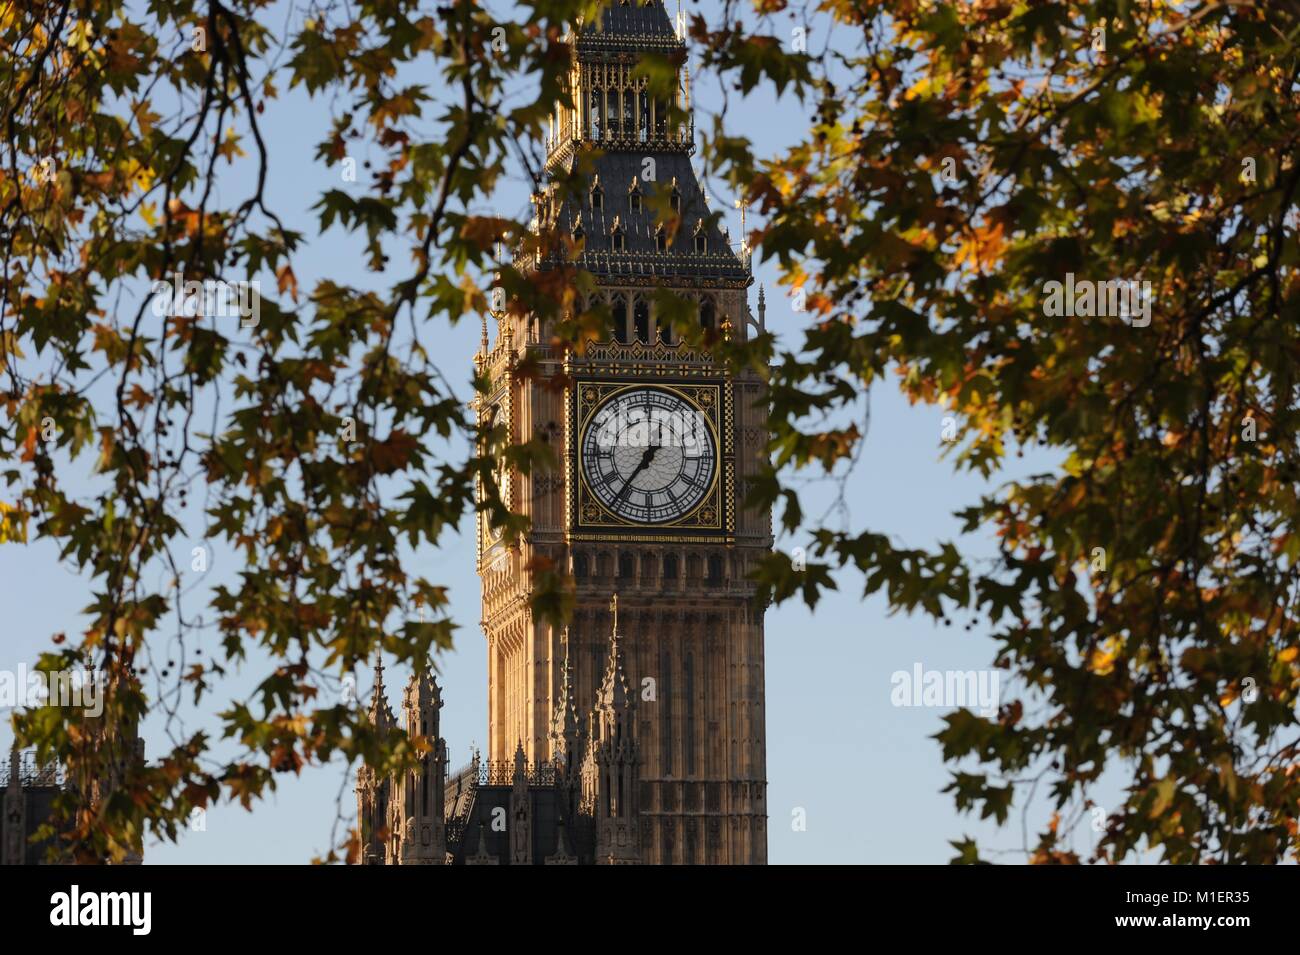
[649,455]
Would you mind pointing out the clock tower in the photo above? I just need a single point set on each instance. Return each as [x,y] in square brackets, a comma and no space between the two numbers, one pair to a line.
[656,444]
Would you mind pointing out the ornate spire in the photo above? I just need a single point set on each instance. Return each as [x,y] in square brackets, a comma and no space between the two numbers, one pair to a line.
[521,812]
[381,715]
[421,701]
[611,773]
[14,849]
[521,764]
[615,697]
[565,726]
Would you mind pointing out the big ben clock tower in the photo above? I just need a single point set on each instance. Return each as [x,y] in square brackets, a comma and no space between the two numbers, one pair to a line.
[656,443]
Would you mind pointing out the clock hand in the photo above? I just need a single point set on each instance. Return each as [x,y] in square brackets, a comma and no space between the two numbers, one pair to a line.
[646,458]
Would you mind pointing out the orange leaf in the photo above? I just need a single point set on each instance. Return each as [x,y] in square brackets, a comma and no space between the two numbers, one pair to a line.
[392,455]
[285,279]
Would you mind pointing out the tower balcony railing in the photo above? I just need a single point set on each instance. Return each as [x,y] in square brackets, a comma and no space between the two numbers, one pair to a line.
[680,137]
[31,773]
[720,265]
[500,772]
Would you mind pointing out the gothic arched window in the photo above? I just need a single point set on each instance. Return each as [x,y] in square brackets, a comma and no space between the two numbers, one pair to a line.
[666,333]
[618,306]
[641,319]
[715,569]
[634,197]
[597,196]
[708,313]
[611,114]
[670,567]
[628,127]
[580,566]
[626,567]
[661,240]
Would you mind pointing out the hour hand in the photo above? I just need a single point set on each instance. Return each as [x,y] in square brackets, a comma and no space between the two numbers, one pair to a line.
[645,463]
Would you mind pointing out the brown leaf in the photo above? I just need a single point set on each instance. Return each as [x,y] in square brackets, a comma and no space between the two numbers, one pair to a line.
[285,279]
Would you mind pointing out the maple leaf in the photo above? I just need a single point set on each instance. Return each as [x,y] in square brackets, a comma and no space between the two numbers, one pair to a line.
[286,280]
[393,454]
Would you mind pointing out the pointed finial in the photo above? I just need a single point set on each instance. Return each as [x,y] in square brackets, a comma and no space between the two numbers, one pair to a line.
[743,205]
[613,608]
[380,714]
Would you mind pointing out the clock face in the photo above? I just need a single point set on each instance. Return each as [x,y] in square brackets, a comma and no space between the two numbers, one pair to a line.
[649,455]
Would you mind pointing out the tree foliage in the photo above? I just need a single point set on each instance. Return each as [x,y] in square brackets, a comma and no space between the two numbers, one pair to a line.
[1144,594]
[958,157]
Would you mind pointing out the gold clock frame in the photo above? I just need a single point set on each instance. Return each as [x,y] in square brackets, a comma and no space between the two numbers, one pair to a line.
[590,520]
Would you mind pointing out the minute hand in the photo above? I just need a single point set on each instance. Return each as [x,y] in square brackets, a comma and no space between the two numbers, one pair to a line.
[645,463]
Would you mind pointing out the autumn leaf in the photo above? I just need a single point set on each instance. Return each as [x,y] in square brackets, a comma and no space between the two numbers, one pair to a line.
[286,281]
[394,453]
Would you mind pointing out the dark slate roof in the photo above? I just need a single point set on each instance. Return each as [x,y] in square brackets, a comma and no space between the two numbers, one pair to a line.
[545,808]
[633,19]
[616,171]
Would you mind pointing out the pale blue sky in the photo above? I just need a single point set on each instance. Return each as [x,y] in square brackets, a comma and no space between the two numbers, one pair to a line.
[865,772]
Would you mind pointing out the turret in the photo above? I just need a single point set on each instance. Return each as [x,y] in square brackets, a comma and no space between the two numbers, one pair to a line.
[611,773]
[423,829]
[566,728]
[14,850]
[373,792]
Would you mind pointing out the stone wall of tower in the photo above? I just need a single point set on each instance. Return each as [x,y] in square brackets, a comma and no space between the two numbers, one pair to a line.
[695,659]
[699,638]
[522,662]
[696,634]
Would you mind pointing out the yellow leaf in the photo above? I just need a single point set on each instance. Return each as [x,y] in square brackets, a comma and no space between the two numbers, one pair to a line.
[1102,660]
[13,525]
[9,344]
[1164,796]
